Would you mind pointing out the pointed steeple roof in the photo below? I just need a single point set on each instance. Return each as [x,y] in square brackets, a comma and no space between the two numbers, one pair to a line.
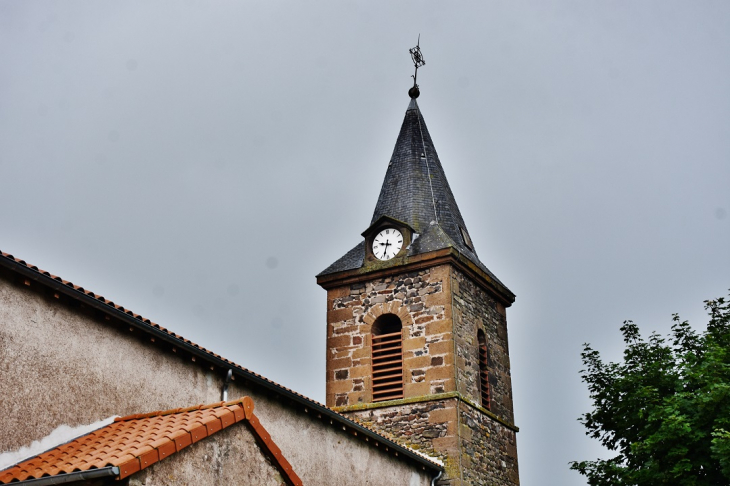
[415,189]
[416,192]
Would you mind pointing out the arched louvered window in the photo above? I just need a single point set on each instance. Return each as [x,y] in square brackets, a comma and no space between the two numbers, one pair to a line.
[483,370]
[387,358]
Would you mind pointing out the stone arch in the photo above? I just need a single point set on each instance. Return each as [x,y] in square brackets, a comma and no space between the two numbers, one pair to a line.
[386,323]
[394,307]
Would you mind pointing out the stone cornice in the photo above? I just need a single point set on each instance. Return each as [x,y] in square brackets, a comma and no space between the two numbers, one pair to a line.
[425,398]
[395,266]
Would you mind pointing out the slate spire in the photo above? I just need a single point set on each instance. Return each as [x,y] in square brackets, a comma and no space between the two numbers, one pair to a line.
[415,189]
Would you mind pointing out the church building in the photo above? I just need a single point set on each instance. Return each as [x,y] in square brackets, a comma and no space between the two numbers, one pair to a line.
[418,386]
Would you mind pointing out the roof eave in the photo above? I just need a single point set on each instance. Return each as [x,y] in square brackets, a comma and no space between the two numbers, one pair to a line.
[72,477]
[205,356]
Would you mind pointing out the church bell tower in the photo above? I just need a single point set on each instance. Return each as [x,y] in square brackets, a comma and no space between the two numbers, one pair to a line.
[417,344]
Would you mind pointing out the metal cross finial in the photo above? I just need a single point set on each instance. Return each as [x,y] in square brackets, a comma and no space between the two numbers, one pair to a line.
[418,62]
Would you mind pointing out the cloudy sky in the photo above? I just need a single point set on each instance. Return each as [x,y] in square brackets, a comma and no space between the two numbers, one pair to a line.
[199,162]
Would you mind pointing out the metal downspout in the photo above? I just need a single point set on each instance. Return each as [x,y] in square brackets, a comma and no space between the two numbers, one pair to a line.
[436,478]
[224,393]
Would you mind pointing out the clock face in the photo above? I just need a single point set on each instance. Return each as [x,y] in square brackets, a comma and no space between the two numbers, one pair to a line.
[387,244]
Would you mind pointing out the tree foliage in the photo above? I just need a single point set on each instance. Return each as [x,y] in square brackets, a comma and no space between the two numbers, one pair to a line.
[664,410]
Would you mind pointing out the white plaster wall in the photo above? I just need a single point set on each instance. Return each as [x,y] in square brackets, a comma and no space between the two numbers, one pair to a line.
[229,457]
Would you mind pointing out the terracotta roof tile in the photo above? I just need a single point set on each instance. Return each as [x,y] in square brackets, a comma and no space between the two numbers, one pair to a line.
[131,443]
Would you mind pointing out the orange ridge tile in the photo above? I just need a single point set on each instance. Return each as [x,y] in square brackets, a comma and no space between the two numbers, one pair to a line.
[131,443]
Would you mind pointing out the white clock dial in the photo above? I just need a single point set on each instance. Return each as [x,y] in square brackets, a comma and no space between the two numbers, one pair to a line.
[387,244]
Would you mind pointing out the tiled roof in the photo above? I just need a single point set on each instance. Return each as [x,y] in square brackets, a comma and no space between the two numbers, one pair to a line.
[136,442]
[32,273]
[131,443]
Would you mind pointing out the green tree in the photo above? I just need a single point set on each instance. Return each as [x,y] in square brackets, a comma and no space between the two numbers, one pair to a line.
[664,410]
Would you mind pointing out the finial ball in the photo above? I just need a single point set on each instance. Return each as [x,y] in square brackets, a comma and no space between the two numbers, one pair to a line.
[414,92]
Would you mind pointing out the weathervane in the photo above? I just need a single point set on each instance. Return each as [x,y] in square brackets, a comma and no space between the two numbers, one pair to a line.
[418,61]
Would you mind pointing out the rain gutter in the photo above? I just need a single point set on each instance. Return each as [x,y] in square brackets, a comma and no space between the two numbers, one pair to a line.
[73,477]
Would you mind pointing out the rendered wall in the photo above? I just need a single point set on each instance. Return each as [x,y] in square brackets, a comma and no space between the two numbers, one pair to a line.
[63,364]
[229,457]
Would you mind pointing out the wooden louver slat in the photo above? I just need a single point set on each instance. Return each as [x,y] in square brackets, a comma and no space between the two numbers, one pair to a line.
[484,376]
[395,369]
[389,337]
[387,367]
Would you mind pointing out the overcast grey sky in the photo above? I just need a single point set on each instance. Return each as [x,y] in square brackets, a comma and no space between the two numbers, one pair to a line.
[199,162]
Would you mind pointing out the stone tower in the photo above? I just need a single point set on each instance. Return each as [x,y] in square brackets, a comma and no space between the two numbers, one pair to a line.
[416,326]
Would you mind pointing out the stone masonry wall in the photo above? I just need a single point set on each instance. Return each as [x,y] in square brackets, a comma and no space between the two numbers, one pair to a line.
[429,427]
[474,309]
[441,310]
[475,448]
[488,449]
[420,299]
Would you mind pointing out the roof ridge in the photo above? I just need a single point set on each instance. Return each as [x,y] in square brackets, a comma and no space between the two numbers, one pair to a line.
[161,413]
